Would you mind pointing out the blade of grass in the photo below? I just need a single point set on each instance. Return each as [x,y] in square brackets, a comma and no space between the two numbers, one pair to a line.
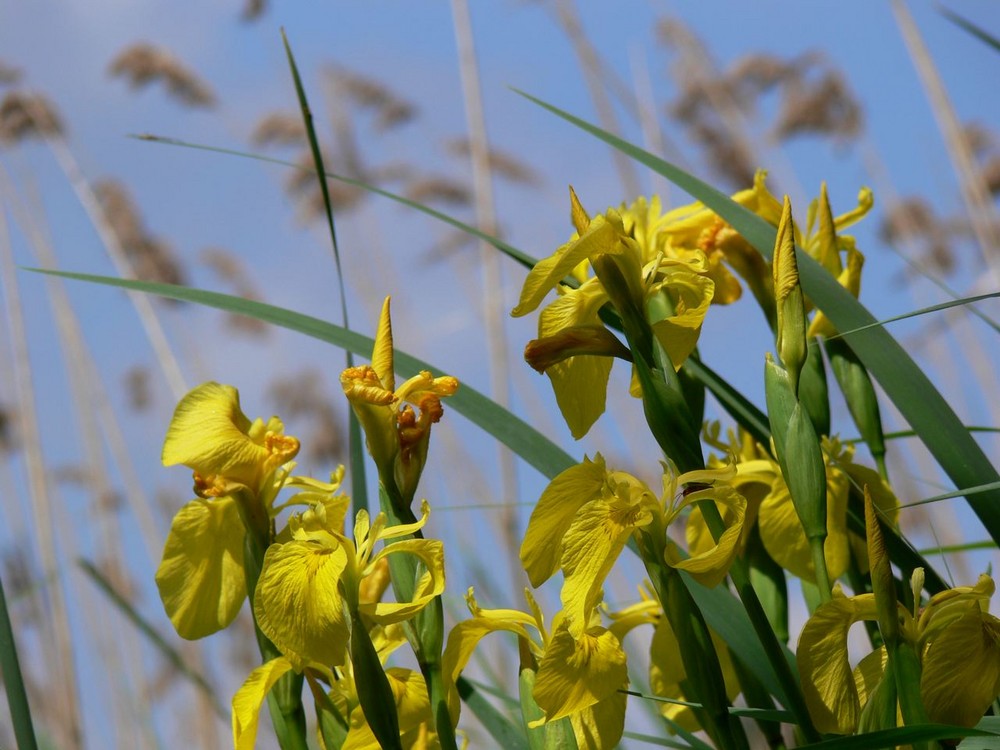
[515,433]
[921,311]
[359,490]
[951,548]
[505,733]
[903,380]
[966,491]
[10,669]
[890,738]
[169,652]
[976,31]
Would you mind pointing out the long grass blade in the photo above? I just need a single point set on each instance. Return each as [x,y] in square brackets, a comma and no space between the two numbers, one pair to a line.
[921,311]
[10,669]
[977,31]
[515,433]
[505,733]
[169,652]
[890,738]
[903,380]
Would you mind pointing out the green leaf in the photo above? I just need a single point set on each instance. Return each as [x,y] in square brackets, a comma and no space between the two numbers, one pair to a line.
[903,380]
[515,433]
[976,31]
[503,731]
[10,668]
[916,313]
[890,738]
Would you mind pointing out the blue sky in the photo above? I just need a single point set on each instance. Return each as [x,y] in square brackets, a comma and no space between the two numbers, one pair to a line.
[196,200]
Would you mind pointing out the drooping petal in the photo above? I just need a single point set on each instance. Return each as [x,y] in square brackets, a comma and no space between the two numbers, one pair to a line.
[961,669]
[542,547]
[298,604]
[580,383]
[200,579]
[827,679]
[591,546]
[462,641]
[603,236]
[577,673]
[248,699]
[431,583]
[600,727]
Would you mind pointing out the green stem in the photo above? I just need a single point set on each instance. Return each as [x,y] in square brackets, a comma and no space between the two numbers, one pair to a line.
[819,563]
[10,668]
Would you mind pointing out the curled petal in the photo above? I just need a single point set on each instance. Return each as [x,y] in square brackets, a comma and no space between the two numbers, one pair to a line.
[690,294]
[600,726]
[200,579]
[213,437]
[248,699]
[431,583]
[298,604]
[577,673]
[827,679]
[711,566]
[557,507]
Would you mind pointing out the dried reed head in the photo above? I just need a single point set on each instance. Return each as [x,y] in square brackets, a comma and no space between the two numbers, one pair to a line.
[503,164]
[137,388]
[279,129]
[824,106]
[141,64]
[303,186]
[8,74]
[253,9]
[438,188]
[912,220]
[302,395]
[227,266]
[151,258]
[8,438]
[391,110]
[23,115]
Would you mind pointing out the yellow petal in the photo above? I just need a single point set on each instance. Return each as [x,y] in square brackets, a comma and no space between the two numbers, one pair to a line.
[580,383]
[600,727]
[382,361]
[200,578]
[961,669]
[690,294]
[211,435]
[552,516]
[431,582]
[827,678]
[603,235]
[298,604]
[591,546]
[248,699]
[462,641]
[576,673]
[578,214]
[710,566]
[413,707]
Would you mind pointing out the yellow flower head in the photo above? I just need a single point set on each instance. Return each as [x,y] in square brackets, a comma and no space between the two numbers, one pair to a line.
[579,676]
[396,433]
[310,585]
[573,347]
[211,436]
[587,513]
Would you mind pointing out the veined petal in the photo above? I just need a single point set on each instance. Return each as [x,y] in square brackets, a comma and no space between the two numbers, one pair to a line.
[577,673]
[961,669]
[298,604]
[600,726]
[200,579]
[552,516]
[591,546]
[603,235]
[827,678]
[248,699]
[431,583]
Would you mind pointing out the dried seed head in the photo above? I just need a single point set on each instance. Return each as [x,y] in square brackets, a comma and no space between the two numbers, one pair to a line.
[23,115]
[142,64]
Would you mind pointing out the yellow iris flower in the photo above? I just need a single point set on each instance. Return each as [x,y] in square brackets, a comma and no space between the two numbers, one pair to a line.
[573,348]
[310,584]
[397,436]
[587,513]
[578,676]
[200,578]
[758,477]
[957,640]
